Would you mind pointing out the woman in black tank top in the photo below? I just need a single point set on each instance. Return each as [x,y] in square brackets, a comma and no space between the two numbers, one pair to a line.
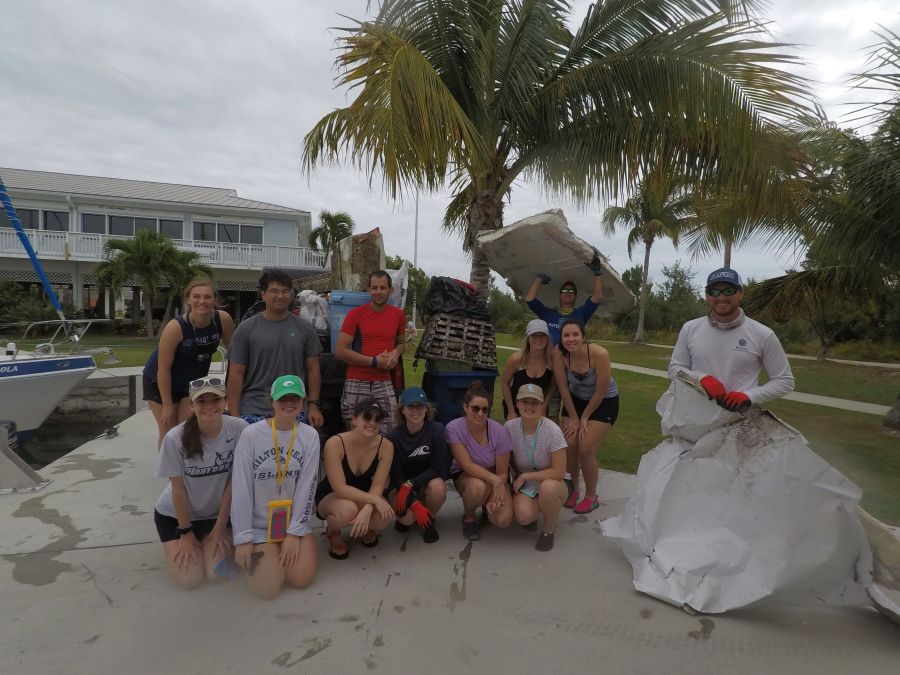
[532,364]
[357,468]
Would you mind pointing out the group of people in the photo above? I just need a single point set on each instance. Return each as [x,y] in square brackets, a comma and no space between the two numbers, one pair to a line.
[242,454]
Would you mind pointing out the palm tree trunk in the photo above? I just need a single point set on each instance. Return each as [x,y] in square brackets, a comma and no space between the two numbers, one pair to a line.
[645,273]
[727,262]
[485,214]
[100,305]
[147,294]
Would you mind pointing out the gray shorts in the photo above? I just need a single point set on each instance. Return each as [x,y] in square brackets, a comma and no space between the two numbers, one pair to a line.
[359,390]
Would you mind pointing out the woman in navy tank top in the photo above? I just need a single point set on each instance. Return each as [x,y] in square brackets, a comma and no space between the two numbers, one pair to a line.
[186,347]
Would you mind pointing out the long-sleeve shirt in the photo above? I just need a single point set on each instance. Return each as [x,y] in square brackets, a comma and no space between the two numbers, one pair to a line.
[735,354]
[253,483]
[419,457]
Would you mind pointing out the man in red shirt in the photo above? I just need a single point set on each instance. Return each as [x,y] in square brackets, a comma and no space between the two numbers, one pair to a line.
[381,328]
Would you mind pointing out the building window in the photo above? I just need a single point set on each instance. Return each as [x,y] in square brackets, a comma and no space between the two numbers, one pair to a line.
[173,229]
[144,224]
[204,231]
[251,234]
[121,226]
[229,233]
[93,223]
[56,221]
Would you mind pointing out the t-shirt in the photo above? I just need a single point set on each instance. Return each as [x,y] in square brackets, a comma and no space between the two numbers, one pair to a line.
[555,318]
[734,355]
[254,484]
[419,457]
[379,332]
[205,475]
[498,442]
[270,349]
[549,439]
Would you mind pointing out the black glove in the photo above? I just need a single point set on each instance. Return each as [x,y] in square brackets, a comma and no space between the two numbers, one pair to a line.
[595,265]
[544,278]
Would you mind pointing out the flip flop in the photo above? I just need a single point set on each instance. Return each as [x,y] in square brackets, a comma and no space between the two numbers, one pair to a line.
[337,547]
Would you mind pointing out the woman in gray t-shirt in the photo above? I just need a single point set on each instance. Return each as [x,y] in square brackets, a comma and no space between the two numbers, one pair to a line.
[539,464]
[192,512]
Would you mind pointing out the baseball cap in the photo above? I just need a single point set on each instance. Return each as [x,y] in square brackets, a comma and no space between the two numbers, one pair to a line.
[537,326]
[368,404]
[207,385]
[568,284]
[413,396]
[530,390]
[287,385]
[726,276]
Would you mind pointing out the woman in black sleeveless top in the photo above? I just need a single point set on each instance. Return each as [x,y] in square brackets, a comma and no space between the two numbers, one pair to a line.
[357,468]
[532,364]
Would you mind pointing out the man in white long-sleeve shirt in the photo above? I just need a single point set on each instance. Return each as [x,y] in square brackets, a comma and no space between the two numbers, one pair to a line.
[726,350]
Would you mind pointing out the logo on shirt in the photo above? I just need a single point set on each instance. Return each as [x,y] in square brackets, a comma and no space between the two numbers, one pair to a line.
[222,465]
[742,342]
[421,451]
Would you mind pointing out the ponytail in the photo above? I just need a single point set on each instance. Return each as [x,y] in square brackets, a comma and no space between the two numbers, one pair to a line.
[191,442]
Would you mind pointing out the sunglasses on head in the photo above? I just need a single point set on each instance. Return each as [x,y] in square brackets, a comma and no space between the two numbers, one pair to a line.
[207,381]
[478,408]
[716,292]
[367,416]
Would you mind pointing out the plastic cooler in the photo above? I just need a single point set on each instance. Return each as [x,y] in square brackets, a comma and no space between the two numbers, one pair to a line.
[339,303]
[447,389]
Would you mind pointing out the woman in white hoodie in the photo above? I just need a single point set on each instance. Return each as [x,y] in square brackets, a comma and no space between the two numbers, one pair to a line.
[276,468]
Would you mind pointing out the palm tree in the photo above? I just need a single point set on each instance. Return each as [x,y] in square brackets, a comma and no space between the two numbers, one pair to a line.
[478,93]
[660,208]
[333,226]
[183,267]
[149,258]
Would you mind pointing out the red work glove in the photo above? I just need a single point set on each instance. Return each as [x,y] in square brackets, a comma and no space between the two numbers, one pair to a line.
[423,516]
[736,401]
[403,500]
[713,388]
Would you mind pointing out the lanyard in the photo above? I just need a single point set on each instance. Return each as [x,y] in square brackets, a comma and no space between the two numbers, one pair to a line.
[533,443]
[279,474]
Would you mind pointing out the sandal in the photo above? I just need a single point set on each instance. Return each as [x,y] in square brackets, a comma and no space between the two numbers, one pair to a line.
[337,547]
[369,539]
[572,500]
[587,505]
[470,530]
[544,541]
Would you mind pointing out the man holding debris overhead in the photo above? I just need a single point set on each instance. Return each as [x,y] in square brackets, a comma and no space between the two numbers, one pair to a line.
[725,350]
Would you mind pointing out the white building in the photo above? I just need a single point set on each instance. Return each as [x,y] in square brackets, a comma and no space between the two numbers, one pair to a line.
[68,218]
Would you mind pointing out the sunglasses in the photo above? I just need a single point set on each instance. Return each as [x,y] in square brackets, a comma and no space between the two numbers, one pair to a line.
[369,417]
[716,292]
[207,382]
[477,409]
[568,291]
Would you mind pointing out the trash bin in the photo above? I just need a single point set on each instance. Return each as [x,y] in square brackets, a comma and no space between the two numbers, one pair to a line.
[447,389]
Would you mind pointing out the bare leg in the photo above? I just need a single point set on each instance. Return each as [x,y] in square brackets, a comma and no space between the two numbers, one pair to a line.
[211,558]
[572,464]
[503,516]
[551,496]
[268,575]
[434,494]
[188,578]
[474,493]
[303,571]
[525,509]
[587,456]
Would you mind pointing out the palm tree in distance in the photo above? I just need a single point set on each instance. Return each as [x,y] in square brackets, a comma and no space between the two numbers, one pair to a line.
[476,94]
[661,207]
[333,226]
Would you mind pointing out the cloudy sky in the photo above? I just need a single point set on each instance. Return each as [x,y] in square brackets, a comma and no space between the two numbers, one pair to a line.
[221,92]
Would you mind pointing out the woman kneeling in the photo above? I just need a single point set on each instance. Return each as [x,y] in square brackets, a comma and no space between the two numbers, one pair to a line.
[275,473]
[480,469]
[192,512]
[539,462]
[357,464]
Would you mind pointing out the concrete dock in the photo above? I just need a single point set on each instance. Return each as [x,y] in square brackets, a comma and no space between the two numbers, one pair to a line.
[85,590]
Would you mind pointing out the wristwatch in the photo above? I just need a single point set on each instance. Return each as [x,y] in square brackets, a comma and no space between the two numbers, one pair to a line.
[316,402]
[181,531]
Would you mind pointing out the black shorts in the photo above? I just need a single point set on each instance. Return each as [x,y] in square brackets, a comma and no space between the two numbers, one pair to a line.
[166,526]
[607,411]
[151,392]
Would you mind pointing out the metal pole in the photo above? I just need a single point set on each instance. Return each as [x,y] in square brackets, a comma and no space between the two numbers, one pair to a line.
[415,253]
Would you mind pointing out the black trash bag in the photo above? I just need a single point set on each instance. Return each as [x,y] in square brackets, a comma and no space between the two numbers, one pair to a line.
[451,296]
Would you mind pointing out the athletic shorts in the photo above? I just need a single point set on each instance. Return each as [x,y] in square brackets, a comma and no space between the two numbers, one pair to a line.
[380,390]
[607,411]
[166,526]
[151,392]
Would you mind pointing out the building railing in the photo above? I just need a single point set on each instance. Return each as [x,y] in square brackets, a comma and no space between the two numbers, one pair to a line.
[83,246]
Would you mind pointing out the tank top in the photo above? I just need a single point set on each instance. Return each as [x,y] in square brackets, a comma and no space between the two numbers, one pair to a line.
[521,377]
[362,481]
[583,385]
[192,355]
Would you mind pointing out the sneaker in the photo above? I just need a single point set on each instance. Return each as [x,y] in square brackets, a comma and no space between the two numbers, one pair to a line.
[544,541]
[400,527]
[587,505]
[470,530]
[430,534]
[572,500]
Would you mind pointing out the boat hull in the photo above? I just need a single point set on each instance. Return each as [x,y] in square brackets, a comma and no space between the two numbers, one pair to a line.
[31,388]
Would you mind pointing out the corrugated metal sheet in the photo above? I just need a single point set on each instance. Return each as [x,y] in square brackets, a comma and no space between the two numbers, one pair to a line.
[71,184]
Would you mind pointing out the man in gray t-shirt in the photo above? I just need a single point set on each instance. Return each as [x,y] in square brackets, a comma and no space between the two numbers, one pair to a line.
[268,345]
